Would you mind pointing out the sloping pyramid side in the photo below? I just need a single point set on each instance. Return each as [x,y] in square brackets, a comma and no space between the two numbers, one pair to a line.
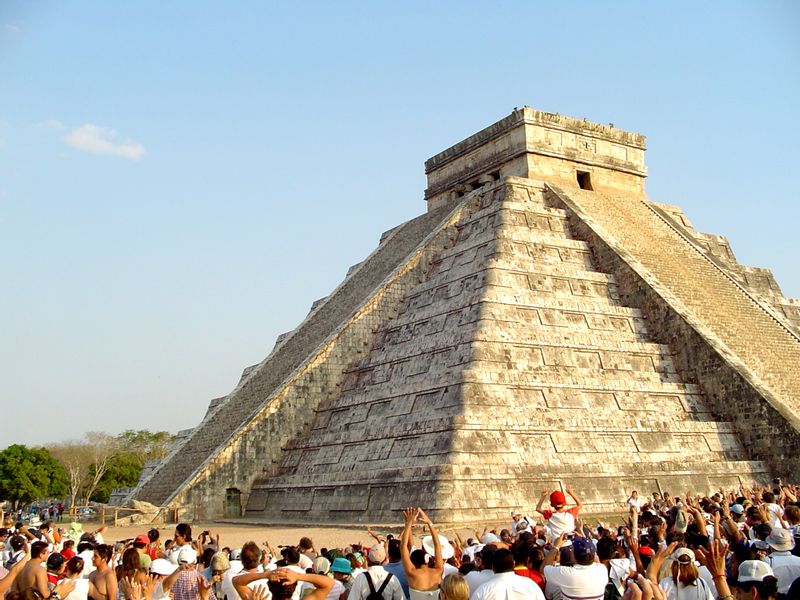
[513,367]
[743,351]
[242,436]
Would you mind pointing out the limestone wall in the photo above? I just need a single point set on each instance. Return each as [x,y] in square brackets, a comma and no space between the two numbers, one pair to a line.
[733,384]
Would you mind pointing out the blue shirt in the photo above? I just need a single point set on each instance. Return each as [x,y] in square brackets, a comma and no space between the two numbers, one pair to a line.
[396,569]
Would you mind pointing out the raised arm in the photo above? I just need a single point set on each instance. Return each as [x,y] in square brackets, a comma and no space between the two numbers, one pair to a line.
[410,515]
[574,497]
[438,563]
[542,498]
[322,584]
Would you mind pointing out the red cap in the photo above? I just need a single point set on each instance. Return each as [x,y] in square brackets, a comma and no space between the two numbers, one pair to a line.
[557,499]
[142,539]
[646,551]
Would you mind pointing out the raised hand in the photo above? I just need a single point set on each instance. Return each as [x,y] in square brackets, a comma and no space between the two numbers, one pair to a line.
[410,515]
[203,587]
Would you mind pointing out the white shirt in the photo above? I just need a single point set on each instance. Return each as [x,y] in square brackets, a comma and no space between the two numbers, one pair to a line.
[81,591]
[586,582]
[476,579]
[508,586]
[360,589]
[698,591]
[785,567]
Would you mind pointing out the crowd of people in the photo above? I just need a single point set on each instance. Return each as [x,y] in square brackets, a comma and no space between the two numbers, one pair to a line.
[738,544]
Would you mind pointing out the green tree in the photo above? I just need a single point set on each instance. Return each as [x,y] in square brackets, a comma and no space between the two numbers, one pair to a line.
[122,471]
[146,445]
[28,474]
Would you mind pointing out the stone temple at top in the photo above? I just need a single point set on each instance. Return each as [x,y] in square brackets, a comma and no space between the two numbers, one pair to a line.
[542,324]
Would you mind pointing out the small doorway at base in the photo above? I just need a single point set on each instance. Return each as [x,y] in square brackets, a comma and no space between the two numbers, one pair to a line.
[233,503]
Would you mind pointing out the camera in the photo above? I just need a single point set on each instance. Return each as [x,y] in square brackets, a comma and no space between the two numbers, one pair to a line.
[777,481]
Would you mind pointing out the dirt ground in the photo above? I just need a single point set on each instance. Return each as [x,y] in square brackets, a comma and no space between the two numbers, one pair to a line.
[234,536]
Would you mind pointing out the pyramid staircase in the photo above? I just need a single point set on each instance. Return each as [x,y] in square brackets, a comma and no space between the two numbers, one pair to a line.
[511,368]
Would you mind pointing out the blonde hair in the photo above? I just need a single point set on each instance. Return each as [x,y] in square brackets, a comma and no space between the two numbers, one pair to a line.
[684,570]
[454,587]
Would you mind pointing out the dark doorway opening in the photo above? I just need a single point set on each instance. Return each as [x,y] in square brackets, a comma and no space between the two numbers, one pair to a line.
[585,180]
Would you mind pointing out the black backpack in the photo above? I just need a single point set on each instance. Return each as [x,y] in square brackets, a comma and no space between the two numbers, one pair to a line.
[373,594]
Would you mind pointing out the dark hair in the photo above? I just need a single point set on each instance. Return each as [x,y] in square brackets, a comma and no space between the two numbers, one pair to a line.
[306,543]
[291,554]
[280,591]
[37,548]
[393,549]
[208,554]
[251,554]
[767,588]
[85,545]
[503,561]
[768,497]
[606,548]
[153,535]
[467,567]
[130,564]
[16,543]
[68,544]
[75,565]
[520,552]
[184,530]
[487,556]
[535,558]
[105,552]
[417,557]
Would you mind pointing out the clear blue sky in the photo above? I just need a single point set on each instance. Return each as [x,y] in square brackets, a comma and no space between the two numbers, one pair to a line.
[180,180]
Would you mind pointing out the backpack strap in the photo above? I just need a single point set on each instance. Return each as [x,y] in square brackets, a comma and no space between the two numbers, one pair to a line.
[384,584]
[369,583]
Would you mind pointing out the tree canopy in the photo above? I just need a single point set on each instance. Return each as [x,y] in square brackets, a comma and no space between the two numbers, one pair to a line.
[28,474]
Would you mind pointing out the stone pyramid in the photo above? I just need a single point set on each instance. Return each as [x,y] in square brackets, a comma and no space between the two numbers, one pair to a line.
[543,324]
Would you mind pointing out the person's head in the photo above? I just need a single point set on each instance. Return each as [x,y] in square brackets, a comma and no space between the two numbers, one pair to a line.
[140,541]
[584,550]
[208,554]
[755,581]
[506,537]
[768,497]
[306,544]
[17,542]
[417,558]
[393,550]
[38,550]
[74,566]
[516,515]
[683,567]
[85,545]
[558,500]
[251,555]
[219,565]
[341,568]
[56,563]
[521,553]
[130,562]
[67,545]
[634,494]
[153,535]
[102,555]
[656,496]
[183,534]
[169,544]
[376,555]
[535,558]
[454,587]
[291,554]
[780,540]
[486,557]
[606,548]
[792,514]
[503,561]
[281,590]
